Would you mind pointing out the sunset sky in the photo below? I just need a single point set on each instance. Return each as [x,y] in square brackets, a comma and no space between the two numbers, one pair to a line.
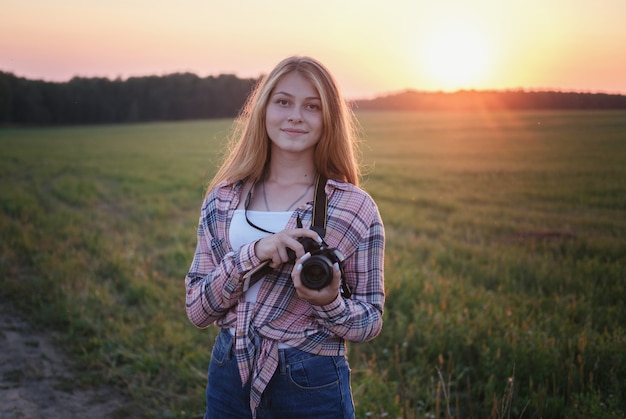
[372,46]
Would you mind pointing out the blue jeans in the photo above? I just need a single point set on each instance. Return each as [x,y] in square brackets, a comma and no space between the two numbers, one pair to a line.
[304,386]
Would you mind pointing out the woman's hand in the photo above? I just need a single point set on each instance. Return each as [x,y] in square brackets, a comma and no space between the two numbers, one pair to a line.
[319,297]
[274,247]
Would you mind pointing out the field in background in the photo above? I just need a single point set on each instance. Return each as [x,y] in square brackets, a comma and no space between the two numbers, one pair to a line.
[505,262]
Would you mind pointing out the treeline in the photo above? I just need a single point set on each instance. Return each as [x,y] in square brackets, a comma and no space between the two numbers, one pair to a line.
[184,96]
[138,99]
[472,100]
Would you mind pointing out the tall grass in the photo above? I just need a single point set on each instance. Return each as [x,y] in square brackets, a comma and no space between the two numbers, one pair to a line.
[505,263]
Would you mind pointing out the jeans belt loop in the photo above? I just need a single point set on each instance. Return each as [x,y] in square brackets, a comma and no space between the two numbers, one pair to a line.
[282,361]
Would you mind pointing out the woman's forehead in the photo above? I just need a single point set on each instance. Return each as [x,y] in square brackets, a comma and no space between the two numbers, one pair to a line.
[295,84]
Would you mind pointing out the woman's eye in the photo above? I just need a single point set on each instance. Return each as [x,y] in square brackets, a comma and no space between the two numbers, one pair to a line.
[282,102]
[314,107]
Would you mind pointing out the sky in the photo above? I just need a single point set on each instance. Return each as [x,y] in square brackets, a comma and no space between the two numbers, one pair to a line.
[373,47]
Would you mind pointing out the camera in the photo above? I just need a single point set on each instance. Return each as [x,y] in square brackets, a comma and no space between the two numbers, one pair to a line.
[317,271]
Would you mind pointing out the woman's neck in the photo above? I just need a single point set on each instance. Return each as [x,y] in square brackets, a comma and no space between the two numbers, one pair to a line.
[286,172]
[284,186]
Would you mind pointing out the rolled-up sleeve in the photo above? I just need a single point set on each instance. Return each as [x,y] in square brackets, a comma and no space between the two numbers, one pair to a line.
[360,318]
[214,281]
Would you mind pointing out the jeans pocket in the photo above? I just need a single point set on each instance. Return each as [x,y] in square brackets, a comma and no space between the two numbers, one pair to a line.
[222,348]
[315,373]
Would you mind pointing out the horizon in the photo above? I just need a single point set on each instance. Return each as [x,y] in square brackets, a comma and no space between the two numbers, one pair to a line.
[371,97]
[372,49]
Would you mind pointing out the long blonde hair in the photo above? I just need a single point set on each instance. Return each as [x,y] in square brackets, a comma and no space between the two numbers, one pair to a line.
[249,145]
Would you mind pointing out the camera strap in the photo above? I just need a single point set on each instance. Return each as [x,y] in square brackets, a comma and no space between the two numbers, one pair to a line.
[320,216]
[320,207]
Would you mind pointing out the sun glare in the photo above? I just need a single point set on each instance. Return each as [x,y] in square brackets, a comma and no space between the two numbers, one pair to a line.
[455,57]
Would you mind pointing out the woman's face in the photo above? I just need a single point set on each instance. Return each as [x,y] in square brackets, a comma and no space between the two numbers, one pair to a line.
[293,116]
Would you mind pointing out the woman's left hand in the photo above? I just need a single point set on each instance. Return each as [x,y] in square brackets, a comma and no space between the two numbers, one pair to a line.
[319,297]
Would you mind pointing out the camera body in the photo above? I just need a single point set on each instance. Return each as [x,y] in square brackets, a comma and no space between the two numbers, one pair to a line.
[317,271]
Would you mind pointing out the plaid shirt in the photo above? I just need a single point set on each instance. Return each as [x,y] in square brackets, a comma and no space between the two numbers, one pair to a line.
[215,291]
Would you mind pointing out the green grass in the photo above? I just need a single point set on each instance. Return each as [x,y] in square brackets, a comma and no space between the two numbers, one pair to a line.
[505,263]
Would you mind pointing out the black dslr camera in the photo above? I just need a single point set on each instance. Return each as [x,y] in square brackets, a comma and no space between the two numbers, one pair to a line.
[317,271]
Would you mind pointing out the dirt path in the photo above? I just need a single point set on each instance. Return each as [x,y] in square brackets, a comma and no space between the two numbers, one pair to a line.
[35,381]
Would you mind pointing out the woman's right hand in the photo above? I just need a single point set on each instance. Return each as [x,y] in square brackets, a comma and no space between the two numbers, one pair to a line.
[274,247]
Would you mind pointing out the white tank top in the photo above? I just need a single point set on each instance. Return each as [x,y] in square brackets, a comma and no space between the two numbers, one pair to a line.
[241,233]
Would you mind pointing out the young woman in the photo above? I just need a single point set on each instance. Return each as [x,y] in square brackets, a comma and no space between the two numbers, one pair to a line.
[281,350]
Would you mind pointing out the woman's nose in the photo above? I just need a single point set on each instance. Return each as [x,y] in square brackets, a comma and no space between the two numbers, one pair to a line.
[295,115]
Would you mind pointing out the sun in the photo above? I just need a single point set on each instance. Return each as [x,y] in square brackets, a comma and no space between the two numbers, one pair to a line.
[455,56]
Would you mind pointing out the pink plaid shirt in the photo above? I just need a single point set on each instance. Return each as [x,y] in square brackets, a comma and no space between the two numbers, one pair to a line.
[215,292]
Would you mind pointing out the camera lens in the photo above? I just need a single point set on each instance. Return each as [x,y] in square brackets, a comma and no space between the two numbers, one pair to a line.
[317,272]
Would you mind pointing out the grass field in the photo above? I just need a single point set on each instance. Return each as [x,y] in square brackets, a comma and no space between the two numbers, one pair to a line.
[505,263]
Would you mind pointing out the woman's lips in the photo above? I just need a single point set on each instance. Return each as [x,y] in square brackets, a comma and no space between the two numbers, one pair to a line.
[293,131]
